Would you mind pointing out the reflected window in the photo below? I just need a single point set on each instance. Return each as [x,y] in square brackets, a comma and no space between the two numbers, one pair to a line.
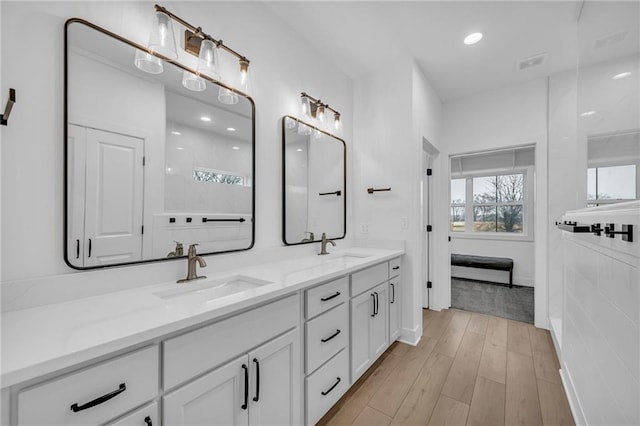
[613,184]
[458,199]
[214,176]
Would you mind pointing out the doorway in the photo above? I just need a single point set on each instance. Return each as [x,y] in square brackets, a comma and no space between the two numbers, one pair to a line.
[429,155]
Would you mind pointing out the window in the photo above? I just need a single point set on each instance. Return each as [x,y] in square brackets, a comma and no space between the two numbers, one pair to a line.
[489,204]
[613,184]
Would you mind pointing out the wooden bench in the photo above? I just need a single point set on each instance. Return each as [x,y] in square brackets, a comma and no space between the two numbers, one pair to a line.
[484,262]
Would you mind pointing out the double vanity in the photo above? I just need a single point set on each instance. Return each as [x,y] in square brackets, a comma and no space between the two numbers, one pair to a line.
[275,343]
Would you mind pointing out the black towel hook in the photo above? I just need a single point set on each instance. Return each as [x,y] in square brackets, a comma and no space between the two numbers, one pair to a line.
[4,118]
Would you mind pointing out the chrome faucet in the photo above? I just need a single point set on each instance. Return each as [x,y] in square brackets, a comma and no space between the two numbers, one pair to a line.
[323,244]
[191,265]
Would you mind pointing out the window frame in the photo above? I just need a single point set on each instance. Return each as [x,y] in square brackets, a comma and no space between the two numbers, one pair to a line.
[612,163]
[527,206]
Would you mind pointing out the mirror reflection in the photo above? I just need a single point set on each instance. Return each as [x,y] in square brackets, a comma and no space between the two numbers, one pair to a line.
[151,166]
[314,164]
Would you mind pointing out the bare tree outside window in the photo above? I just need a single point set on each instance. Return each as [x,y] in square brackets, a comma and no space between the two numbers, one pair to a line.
[498,203]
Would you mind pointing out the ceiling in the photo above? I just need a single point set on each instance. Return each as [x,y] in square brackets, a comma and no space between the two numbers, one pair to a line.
[364,36]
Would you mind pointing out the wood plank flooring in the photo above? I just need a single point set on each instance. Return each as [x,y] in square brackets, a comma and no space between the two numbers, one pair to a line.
[468,369]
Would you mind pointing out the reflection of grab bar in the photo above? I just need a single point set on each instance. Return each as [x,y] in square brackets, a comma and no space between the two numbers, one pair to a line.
[372,190]
[337,193]
[242,219]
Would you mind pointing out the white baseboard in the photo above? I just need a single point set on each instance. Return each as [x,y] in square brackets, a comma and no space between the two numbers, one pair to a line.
[411,336]
[574,402]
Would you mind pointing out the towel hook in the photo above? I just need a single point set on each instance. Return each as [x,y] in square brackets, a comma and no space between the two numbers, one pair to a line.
[4,118]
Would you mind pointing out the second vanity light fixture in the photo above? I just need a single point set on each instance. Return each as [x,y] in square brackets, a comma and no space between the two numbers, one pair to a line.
[314,111]
[162,41]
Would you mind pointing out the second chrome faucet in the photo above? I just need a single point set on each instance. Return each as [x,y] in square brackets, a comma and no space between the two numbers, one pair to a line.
[323,246]
[191,265]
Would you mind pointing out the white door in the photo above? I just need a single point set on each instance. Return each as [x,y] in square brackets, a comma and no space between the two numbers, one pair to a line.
[114,198]
[426,194]
[394,309]
[380,321]
[218,398]
[362,311]
[275,382]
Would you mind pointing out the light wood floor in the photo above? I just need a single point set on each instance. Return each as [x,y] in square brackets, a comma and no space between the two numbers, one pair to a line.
[467,369]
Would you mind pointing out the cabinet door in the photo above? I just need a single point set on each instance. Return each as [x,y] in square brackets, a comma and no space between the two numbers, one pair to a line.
[362,311]
[113,212]
[76,155]
[394,309]
[380,322]
[275,382]
[216,398]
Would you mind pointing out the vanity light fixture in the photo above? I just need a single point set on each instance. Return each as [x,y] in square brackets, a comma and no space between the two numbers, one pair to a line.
[314,110]
[162,42]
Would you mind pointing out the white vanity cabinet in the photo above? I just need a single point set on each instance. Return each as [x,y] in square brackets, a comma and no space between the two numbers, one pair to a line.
[260,387]
[395,298]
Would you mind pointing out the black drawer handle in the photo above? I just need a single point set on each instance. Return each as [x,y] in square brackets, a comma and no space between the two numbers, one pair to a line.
[246,386]
[395,268]
[373,314]
[377,302]
[330,337]
[77,249]
[104,398]
[325,393]
[257,397]
[147,421]
[393,293]
[89,248]
[333,296]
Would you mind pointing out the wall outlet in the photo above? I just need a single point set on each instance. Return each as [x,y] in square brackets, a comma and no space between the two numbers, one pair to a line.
[404,222]
[364,228]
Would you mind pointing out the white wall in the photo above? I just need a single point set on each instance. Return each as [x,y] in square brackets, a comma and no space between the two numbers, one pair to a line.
[32,149]
[510,116]
[394,110]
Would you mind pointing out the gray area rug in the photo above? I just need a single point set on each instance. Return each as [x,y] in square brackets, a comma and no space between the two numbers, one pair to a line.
[493,299]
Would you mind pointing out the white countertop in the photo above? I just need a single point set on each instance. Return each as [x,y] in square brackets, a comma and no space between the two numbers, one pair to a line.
[48,338]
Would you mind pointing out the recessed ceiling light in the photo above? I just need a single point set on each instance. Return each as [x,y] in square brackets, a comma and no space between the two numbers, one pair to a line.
[587,113]
[621,75]
[231,129]
[473,38]
[175,132]
[205,118]
[235,147]
[179,148]
[299,149]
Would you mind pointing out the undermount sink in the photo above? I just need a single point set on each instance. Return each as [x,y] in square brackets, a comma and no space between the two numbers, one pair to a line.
[214,288]
[344,257]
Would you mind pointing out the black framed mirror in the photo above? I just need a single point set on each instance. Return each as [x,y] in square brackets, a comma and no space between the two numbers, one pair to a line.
[150,166]
[314,186]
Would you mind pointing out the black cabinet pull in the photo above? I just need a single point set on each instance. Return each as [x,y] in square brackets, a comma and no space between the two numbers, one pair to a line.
[246,386]
[330,337]
[77,249]
[257,397]
[395,268]
[325,393]
[373,314]
[104,398]
[147,421]
[376,302]
[89,248]
[333,296]
[393,293]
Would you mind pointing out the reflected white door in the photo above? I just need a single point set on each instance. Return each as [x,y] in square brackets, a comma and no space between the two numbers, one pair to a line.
[113,198]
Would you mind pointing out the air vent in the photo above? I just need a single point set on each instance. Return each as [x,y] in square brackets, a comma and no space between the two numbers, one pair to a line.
[532,61]
[611,39]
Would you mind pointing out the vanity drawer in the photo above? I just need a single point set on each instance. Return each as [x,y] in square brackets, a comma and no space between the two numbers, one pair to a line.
[333,328]
[326,296]
[395,267]
[198,351]
[131,380]
[321,393]
[369,278]
[146,416]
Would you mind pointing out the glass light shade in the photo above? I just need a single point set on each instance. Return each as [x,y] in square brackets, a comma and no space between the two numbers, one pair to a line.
[162,39]
[303,129]
[305,110]
[227,96]
[289,123]
[208,60]
[147,62]
[337,125]
[193,82]
[243,82]
[317,134]
[320,116]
